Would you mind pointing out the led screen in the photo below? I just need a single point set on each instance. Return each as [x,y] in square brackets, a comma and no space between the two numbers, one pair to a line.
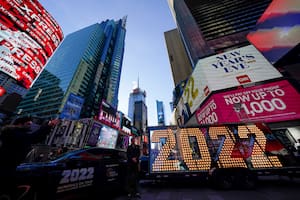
[94,134]
[28,37]
[229,69]
[272,102]
[107,138]
[277,31]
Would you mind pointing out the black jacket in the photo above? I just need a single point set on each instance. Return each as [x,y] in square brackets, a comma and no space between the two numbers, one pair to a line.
[16,142]
[133,151]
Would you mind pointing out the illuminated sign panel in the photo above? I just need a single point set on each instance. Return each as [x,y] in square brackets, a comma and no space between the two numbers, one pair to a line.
[73,107]
[28,37]
[278,29]
[108,115]
[272,102]
[229,69]
[195,149]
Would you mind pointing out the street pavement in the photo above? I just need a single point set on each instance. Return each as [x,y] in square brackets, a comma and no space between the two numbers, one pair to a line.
[268,188]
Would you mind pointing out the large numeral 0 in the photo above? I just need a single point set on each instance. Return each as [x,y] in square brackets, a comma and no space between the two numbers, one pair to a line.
[194,164]
[161,162]
[259,159]
[225,159]
[74,175]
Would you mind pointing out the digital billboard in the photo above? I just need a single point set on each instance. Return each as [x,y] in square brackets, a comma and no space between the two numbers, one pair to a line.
[72,107]
[233,68]
[94,134]
[278,29]
[272,102]
[108,115]
[107,138]
[28,37]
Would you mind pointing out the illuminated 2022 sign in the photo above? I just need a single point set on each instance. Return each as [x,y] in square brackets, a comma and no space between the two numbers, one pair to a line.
[193,149]
[28,37]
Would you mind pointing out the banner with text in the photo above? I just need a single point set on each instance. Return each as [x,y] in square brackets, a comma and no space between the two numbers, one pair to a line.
[233,68]
[272,102]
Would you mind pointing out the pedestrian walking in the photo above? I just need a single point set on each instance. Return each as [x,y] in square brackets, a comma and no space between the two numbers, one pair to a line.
[133,156]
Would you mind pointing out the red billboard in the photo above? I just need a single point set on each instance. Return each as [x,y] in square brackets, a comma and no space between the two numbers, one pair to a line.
[109,116]
[272,102]
[28,37]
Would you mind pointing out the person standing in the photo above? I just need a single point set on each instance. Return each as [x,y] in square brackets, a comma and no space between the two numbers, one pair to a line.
[15,142]
[133,157]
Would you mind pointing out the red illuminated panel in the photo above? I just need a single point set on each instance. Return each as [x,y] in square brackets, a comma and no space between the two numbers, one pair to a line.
[28,37]
[277,31]
[108,115]
[272,102]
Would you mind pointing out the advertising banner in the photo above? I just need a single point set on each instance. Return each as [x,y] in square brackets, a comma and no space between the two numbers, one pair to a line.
[108,115]
[28,37]
[272,102]
[107,138]
[226,70]
[94,134]
[72,107]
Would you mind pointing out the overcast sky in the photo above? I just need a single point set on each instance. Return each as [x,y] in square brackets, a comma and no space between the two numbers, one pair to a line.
[145,53]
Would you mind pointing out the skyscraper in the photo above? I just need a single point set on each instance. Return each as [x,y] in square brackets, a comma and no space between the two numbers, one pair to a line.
[86,66]
[180,63]
[226,65]
[137,108]
[213,26]
[160,113]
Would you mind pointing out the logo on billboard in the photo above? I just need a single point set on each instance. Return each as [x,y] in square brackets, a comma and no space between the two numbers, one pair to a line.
[243,79]
[206,91]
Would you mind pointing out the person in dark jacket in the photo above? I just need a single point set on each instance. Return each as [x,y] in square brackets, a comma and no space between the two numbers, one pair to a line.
[15,143]
[133,155]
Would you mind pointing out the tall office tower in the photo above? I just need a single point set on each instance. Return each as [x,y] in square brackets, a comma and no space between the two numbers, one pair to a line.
[28,37]
[213,26]
[137,108]
[160,113]
[215,34]
[180,64]
[84,70]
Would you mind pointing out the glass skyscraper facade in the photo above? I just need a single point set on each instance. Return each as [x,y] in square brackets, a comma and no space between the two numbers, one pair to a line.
[87,64]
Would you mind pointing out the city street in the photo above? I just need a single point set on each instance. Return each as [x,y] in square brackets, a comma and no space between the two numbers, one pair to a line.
[268,188]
